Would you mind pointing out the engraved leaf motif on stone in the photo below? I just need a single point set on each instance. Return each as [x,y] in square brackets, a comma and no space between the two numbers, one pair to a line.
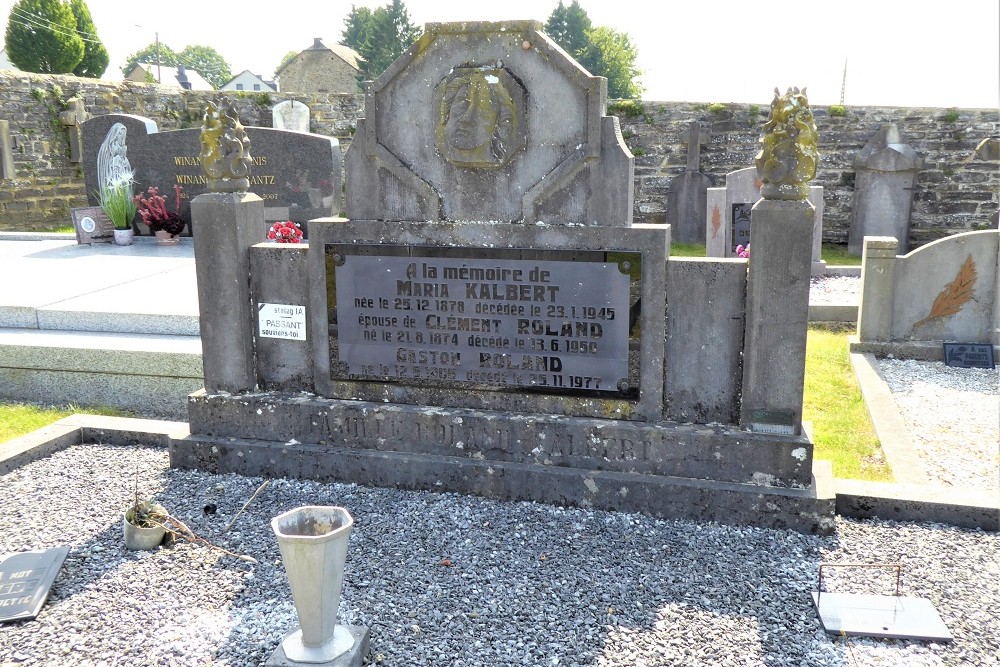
[716,222]
[955,294]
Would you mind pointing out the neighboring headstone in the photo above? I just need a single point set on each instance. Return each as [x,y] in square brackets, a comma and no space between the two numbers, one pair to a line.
[25,580]
[728,216]
[885,174]
[71,119]
[297,175]
[290,115]
[686,197]
[6,151]
[988,149]
[92,225]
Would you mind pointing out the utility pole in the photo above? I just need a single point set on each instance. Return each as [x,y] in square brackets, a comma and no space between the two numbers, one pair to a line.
[159,79]
[843,83]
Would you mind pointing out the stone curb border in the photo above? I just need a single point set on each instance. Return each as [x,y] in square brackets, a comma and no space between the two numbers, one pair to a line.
[900,502]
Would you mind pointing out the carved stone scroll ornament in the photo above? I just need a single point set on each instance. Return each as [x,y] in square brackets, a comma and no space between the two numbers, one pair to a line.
[225,150]
[788,156]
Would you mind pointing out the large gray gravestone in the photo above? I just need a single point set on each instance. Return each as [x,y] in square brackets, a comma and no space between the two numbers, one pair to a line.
[886,171]
[686,198]
[488,320]
[296,174]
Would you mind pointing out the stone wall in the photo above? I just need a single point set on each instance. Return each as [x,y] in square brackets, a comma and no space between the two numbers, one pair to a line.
[956,191]
[319,71]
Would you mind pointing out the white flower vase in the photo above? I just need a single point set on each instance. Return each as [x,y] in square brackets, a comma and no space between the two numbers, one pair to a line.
[313,542]
[123,236]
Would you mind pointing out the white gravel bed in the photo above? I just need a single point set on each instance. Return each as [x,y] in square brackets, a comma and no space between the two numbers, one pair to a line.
[953,418]
[839,290]
[459,581]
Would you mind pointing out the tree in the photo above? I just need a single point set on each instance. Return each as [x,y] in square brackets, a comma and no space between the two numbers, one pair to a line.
[289,57]
[568,26]
[610,53]
[148,54]
[41,37]
[379,36]
[208,62]
[95,56]
[602,51]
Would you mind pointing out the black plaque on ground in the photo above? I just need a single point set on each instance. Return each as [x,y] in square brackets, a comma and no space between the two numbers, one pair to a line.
[295,173]
[25,579]
[969,355]
[92,225]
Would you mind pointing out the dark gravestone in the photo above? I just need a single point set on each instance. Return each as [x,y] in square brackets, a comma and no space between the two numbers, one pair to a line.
[25,579]
[741,227]
[688,194]
[296,174]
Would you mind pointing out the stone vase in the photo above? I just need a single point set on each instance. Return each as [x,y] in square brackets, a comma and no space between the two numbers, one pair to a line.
[124,236]
[138,538]
[313,542]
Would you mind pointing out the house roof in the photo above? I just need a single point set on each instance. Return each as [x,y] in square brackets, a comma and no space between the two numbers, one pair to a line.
[170,76]
[345,53]
[258,77]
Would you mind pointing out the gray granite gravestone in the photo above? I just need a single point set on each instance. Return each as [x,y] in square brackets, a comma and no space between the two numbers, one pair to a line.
[886,171]
[296,174]
[488,319]
[686,198]
[25,579]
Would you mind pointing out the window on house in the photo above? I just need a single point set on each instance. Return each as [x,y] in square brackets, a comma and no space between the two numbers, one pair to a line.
[239,86]
[256,86]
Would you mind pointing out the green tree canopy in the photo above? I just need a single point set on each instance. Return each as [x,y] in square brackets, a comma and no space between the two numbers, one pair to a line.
[147,54]
[95,56]
[379,36]
[610,53]
[568,26]
[289,57]
[41,37]
[208,62]
[602,51]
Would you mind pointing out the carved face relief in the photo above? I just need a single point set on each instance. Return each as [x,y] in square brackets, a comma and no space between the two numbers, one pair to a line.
[481,117]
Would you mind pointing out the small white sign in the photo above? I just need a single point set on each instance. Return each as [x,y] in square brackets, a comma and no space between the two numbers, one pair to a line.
[279,320]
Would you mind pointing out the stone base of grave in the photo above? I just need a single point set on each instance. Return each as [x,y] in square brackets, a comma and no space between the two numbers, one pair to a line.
[664,469]
[353,658]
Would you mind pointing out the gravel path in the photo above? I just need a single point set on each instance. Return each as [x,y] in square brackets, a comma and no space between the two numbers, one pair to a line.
[834,290]
[524,584]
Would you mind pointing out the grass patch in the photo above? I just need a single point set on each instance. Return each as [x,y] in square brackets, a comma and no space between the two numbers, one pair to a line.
[686,250]
[835,254]
[17,419]
[842,430]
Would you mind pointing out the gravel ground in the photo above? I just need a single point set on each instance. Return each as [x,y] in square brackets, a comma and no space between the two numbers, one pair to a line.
[834,290]
[458,581]
[953,417]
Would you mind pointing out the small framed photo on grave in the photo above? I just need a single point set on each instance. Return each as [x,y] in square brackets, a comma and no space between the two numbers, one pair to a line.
[92,225]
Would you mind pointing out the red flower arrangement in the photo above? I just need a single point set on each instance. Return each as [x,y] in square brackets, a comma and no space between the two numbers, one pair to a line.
[285,232]
[155,214]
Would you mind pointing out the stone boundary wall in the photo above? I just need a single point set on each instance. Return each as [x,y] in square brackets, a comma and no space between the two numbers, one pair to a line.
[956,192]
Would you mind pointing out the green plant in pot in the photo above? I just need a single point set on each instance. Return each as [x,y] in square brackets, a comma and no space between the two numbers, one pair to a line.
[115,199]
[144,523]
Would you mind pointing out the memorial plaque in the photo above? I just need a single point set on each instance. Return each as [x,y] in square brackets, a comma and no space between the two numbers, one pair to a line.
[741,227]
[969,355]
[553,325]
[92,225]
[25,579]
[280,320]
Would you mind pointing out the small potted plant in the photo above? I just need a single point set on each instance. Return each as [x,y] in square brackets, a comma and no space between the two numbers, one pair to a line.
[144,523]
[165,225]
[115,199]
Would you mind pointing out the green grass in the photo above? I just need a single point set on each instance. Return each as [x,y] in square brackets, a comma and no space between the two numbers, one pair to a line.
[842,430]
[687,250]
[17,419]
[835,254]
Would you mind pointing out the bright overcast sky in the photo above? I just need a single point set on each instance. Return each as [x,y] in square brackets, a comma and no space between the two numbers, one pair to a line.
[898,52]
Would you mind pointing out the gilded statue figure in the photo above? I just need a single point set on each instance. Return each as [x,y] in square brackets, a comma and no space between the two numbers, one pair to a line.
[225,150]
[478,119]
[788,156]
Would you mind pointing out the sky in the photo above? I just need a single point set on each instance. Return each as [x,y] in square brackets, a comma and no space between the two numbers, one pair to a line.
[897,52]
